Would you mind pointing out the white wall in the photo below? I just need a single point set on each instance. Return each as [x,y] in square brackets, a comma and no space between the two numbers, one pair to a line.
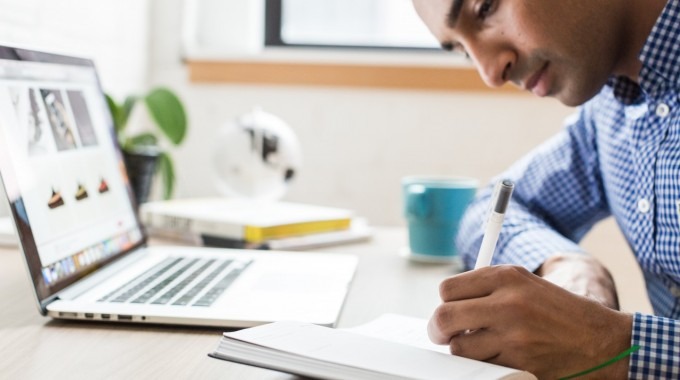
[114,33]
[357,144]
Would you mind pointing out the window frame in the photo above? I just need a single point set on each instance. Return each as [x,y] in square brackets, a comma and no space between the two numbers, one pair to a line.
[272,34]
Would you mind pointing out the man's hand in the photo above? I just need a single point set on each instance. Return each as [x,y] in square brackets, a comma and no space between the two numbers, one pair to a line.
[582,275]
[509,316]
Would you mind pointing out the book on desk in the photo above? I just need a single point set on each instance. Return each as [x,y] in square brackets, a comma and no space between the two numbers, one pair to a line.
[390,347]
[252,224]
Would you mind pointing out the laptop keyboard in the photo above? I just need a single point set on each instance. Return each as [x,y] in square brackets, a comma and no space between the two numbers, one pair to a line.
[170,294]
[180,282]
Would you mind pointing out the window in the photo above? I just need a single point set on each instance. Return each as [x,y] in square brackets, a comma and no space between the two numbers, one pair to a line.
[346,23]
[223,42]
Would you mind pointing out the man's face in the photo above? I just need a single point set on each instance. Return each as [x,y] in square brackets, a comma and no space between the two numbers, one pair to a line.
[566,49]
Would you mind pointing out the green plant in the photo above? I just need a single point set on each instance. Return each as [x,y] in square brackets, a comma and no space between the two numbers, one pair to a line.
[167,112]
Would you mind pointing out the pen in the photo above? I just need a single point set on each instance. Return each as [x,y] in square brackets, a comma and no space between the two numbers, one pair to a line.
[499,203]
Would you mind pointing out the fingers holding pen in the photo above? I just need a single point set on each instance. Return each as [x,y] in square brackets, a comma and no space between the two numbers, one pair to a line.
[481,282]
[479,344]
[481,299]
[454,318]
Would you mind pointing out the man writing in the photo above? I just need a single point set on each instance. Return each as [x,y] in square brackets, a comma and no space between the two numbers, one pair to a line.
[619,155]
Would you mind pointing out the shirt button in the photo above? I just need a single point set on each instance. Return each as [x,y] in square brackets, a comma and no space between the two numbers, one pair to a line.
[675,290]
[643,205]
[662,110]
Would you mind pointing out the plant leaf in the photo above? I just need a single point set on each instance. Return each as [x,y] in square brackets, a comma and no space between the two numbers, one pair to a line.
[167,170]
[126,109]
[115,113]
[167,111]
[146,138]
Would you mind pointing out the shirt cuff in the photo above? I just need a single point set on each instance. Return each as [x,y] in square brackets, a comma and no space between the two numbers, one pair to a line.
[659,353]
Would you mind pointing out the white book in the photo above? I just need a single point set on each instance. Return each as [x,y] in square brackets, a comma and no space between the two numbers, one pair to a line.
[390,347]
[244,219]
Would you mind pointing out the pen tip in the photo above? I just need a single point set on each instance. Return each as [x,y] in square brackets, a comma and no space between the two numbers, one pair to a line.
[504,194]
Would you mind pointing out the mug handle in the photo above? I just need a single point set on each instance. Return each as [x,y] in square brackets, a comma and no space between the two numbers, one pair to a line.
[415,201]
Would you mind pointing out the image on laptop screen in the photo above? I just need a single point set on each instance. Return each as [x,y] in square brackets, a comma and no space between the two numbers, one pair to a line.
[61,168]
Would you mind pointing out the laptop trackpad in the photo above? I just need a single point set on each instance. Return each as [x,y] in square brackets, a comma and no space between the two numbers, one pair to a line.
[294,283]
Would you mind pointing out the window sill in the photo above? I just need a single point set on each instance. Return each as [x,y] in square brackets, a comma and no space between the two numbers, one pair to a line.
[315,67]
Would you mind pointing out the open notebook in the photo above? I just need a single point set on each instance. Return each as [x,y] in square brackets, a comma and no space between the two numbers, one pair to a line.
[390,347]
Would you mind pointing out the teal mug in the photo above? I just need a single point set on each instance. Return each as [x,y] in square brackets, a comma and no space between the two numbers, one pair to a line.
[433,207]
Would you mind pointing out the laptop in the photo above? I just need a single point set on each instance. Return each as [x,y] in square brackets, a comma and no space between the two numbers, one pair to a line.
[85,249]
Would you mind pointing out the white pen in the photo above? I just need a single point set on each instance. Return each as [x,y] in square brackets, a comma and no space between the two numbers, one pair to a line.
[499,203]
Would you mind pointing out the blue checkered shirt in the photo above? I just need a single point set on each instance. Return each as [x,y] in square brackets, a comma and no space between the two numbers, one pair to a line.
[618,156]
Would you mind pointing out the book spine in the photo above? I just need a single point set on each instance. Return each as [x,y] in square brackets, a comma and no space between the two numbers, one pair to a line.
[221,242]
[166,222]
[217,228]
[256,234]
[196,226]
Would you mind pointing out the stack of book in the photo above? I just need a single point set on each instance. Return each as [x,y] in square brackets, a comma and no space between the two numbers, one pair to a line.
[252,224]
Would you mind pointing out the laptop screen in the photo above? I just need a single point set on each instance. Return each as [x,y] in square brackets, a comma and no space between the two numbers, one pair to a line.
[62,169]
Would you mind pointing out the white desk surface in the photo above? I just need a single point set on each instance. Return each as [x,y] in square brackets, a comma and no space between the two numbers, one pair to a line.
[36,347]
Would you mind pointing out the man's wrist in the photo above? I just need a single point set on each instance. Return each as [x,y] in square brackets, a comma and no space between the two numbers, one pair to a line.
[620,336]
[581,274]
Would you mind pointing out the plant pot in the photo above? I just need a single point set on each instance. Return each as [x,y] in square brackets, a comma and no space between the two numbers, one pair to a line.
[141,167]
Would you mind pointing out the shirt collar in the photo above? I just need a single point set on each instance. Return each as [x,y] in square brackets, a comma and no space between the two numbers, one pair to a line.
[659,56]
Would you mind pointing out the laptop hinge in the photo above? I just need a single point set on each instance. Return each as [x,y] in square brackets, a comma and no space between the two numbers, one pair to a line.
[44,303]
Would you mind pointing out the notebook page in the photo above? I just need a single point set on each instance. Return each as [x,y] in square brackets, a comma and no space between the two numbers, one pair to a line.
[400,329]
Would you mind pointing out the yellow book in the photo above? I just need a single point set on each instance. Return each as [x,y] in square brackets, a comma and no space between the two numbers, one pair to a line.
[245,219]
[258,233]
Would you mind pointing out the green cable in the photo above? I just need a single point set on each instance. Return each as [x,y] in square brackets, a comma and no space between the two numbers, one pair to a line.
[608,362]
